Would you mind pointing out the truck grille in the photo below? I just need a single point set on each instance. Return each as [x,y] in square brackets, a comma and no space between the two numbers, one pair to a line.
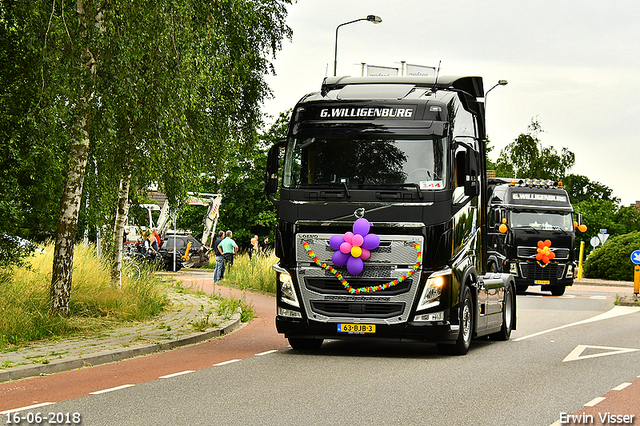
[358,310]
[532,271]
[530,253]
[325,299]
[331,285]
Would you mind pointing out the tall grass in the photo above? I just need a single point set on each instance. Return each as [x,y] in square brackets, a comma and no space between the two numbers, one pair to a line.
[254,273]
[93,306]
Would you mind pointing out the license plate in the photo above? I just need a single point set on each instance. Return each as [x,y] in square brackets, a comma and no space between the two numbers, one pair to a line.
[357,328]
[542,282]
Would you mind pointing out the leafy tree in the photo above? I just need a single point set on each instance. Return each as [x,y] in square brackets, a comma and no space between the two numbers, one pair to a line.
[581,188]
[525,157]
[135,87]
[245,208]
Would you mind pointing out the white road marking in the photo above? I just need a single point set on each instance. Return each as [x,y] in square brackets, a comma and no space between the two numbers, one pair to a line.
[266,353]
[110,390]
[568,296]
[594,401]
[598,297]
[30,407]
[621,386]
[576,353]
[226,362]
[616,311]
[176,374]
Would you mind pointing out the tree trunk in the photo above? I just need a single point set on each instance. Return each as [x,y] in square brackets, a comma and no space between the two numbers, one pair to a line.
[70,203]
[118,230]
[68,221]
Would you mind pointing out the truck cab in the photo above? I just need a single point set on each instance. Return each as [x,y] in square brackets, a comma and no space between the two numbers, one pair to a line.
[532,233]
[380,189]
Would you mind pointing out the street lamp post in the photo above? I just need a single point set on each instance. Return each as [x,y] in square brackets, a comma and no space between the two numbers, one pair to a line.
[371,18]
[499,83]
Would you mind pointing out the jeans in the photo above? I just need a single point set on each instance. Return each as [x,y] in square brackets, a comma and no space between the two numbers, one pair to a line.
[228,261]
[218,273]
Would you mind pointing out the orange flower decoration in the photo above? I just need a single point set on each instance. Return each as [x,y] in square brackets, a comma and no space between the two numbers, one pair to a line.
[544,251]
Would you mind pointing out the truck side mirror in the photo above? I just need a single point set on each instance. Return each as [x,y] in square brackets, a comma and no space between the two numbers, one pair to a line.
[271,172]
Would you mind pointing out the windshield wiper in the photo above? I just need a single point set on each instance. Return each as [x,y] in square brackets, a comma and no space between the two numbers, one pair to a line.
[401,185]
[557,228]
[528,227]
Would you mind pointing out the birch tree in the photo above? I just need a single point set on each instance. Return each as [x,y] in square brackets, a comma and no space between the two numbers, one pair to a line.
[149,90]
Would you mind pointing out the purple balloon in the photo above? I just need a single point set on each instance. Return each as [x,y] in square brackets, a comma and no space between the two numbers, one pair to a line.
[354,265]
[339,258]
[371,241]
[361,226]
[335,241]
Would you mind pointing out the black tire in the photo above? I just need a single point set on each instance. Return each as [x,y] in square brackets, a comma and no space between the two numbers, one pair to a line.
[508,316]
[557,290]
[466,321]
[300,344]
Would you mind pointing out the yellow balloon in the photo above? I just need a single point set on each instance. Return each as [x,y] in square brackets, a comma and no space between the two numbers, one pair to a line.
[356,251]
[582,228]
[503,228]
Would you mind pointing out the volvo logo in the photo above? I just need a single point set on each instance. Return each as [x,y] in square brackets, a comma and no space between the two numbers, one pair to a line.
[359,213]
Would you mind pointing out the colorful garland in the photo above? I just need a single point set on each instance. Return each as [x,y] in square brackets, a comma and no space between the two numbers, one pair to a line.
[368,289]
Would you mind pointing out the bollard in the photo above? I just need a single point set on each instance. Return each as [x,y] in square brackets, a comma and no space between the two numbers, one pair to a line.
[579,277]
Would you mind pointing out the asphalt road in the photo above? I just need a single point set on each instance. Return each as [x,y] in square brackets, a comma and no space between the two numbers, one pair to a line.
[564,354]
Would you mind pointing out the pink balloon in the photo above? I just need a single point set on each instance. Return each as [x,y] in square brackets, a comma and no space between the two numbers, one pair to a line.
[361,226]
[354,265]
[335,241]
[366,254]
[345,247]
[348,236]
[357,240]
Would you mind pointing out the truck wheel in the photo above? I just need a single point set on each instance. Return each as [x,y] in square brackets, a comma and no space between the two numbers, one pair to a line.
[305,344]
[507,317]
[466,327]
[557,290]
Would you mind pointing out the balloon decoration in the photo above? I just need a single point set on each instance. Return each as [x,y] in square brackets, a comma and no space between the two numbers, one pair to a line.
[544,253]
[354,247]
[368,289]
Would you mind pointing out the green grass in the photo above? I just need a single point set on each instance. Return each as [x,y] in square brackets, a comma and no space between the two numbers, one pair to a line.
[255,273]
[94,305]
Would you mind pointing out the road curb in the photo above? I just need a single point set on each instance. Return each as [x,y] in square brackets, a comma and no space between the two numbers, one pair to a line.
[104,357]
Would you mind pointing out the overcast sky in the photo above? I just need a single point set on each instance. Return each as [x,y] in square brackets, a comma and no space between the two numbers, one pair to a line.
[574,66]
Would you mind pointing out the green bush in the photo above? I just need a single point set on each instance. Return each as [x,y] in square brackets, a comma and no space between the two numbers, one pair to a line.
[612,261]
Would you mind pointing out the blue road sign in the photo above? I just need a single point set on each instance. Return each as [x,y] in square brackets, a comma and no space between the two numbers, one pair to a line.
[635,257]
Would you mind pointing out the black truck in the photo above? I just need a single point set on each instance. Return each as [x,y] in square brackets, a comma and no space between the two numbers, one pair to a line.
[532,233]
[381,195]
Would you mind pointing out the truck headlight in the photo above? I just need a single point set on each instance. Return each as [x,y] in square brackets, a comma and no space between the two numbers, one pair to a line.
[433,289]
[287,292]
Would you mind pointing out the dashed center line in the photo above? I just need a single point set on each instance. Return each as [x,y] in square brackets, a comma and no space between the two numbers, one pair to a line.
[267,352]
[176,374]
[110,390]
[30,407]
[594,401]
[621,386]
[226,362]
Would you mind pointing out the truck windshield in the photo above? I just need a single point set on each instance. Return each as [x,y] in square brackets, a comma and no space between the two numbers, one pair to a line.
[542,220]
[358,162]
